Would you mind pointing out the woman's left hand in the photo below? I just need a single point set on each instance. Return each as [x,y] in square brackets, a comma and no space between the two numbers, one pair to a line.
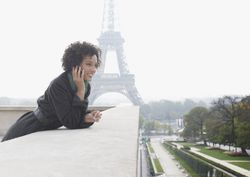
[93,116]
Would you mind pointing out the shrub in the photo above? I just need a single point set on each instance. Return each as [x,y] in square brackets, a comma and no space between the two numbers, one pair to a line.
[186,148]
[234,154]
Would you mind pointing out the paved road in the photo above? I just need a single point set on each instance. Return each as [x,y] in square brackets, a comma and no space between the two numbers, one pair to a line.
[170,166]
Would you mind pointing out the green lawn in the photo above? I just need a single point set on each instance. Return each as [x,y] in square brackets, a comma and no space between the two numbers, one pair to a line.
[245,165]
[216,153]
[199,146]
[186,144]
[219,154]
[150,148]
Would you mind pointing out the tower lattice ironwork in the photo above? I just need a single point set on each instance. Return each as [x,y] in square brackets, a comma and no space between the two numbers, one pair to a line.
[111,40]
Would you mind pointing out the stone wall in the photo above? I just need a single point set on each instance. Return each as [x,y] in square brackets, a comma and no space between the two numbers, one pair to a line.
[9,114]
[107,149]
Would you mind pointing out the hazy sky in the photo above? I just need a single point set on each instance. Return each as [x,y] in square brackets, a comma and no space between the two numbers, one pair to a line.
[176,48]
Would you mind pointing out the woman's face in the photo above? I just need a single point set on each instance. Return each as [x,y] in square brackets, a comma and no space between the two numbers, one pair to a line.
[89,66]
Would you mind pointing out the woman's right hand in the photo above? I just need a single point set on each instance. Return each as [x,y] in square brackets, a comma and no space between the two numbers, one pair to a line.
[93,116]
[78,78]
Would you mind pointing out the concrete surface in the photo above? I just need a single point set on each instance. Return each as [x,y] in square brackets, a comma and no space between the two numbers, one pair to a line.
[9,114]
[170,166]
[107,149]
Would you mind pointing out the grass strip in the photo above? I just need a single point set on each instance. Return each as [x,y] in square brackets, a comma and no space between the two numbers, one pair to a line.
[245,165]
[158,166]
[216,153]
[150,148]
[219,154]
[154,161]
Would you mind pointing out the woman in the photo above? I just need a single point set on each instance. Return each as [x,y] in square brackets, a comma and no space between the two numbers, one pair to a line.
[65,101]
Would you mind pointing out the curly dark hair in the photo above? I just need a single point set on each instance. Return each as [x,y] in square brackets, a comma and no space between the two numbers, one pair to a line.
[77,51]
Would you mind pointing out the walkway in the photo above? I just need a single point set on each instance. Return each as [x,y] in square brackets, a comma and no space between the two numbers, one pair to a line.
[170,166]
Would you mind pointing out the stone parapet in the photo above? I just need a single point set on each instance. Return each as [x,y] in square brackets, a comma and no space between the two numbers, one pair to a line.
[9,114]
[107,149]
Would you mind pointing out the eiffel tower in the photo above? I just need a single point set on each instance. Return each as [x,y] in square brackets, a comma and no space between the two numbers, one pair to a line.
[111,40]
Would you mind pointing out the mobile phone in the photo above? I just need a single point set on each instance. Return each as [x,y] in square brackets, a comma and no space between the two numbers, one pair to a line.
[81,70]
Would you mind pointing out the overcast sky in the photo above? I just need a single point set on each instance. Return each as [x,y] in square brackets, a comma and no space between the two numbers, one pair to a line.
[176,48]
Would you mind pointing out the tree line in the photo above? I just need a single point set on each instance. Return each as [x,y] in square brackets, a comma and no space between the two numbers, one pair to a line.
[167,111]
[160,116]
[226,122]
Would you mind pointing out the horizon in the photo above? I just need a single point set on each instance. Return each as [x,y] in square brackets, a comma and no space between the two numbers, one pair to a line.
[106,100]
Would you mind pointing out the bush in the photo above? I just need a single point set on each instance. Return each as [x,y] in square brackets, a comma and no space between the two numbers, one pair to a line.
[234,154]
[186,148]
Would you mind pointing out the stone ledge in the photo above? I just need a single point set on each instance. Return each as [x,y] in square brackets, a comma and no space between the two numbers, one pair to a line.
[9,114]
[107,149]
[31,108]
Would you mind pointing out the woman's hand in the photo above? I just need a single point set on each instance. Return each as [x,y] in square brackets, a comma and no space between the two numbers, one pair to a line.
[78,78]
[93,116]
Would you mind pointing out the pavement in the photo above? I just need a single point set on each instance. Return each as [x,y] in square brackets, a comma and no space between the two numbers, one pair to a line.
[170,166]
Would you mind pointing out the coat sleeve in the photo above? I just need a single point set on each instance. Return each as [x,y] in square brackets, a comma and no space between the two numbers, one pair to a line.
[70,112]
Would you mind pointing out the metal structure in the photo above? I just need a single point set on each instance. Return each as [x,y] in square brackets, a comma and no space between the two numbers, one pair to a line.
[111,40]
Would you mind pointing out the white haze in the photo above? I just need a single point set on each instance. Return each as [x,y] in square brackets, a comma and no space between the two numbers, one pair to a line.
[176,49]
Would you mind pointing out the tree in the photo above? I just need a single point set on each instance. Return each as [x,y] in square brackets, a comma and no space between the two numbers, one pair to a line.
[141,122]
[243,125]
[243,134]
[213,125]
[167,111]
[194,123]
[245,109]
[167,128]
[148,126]
[228,109]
